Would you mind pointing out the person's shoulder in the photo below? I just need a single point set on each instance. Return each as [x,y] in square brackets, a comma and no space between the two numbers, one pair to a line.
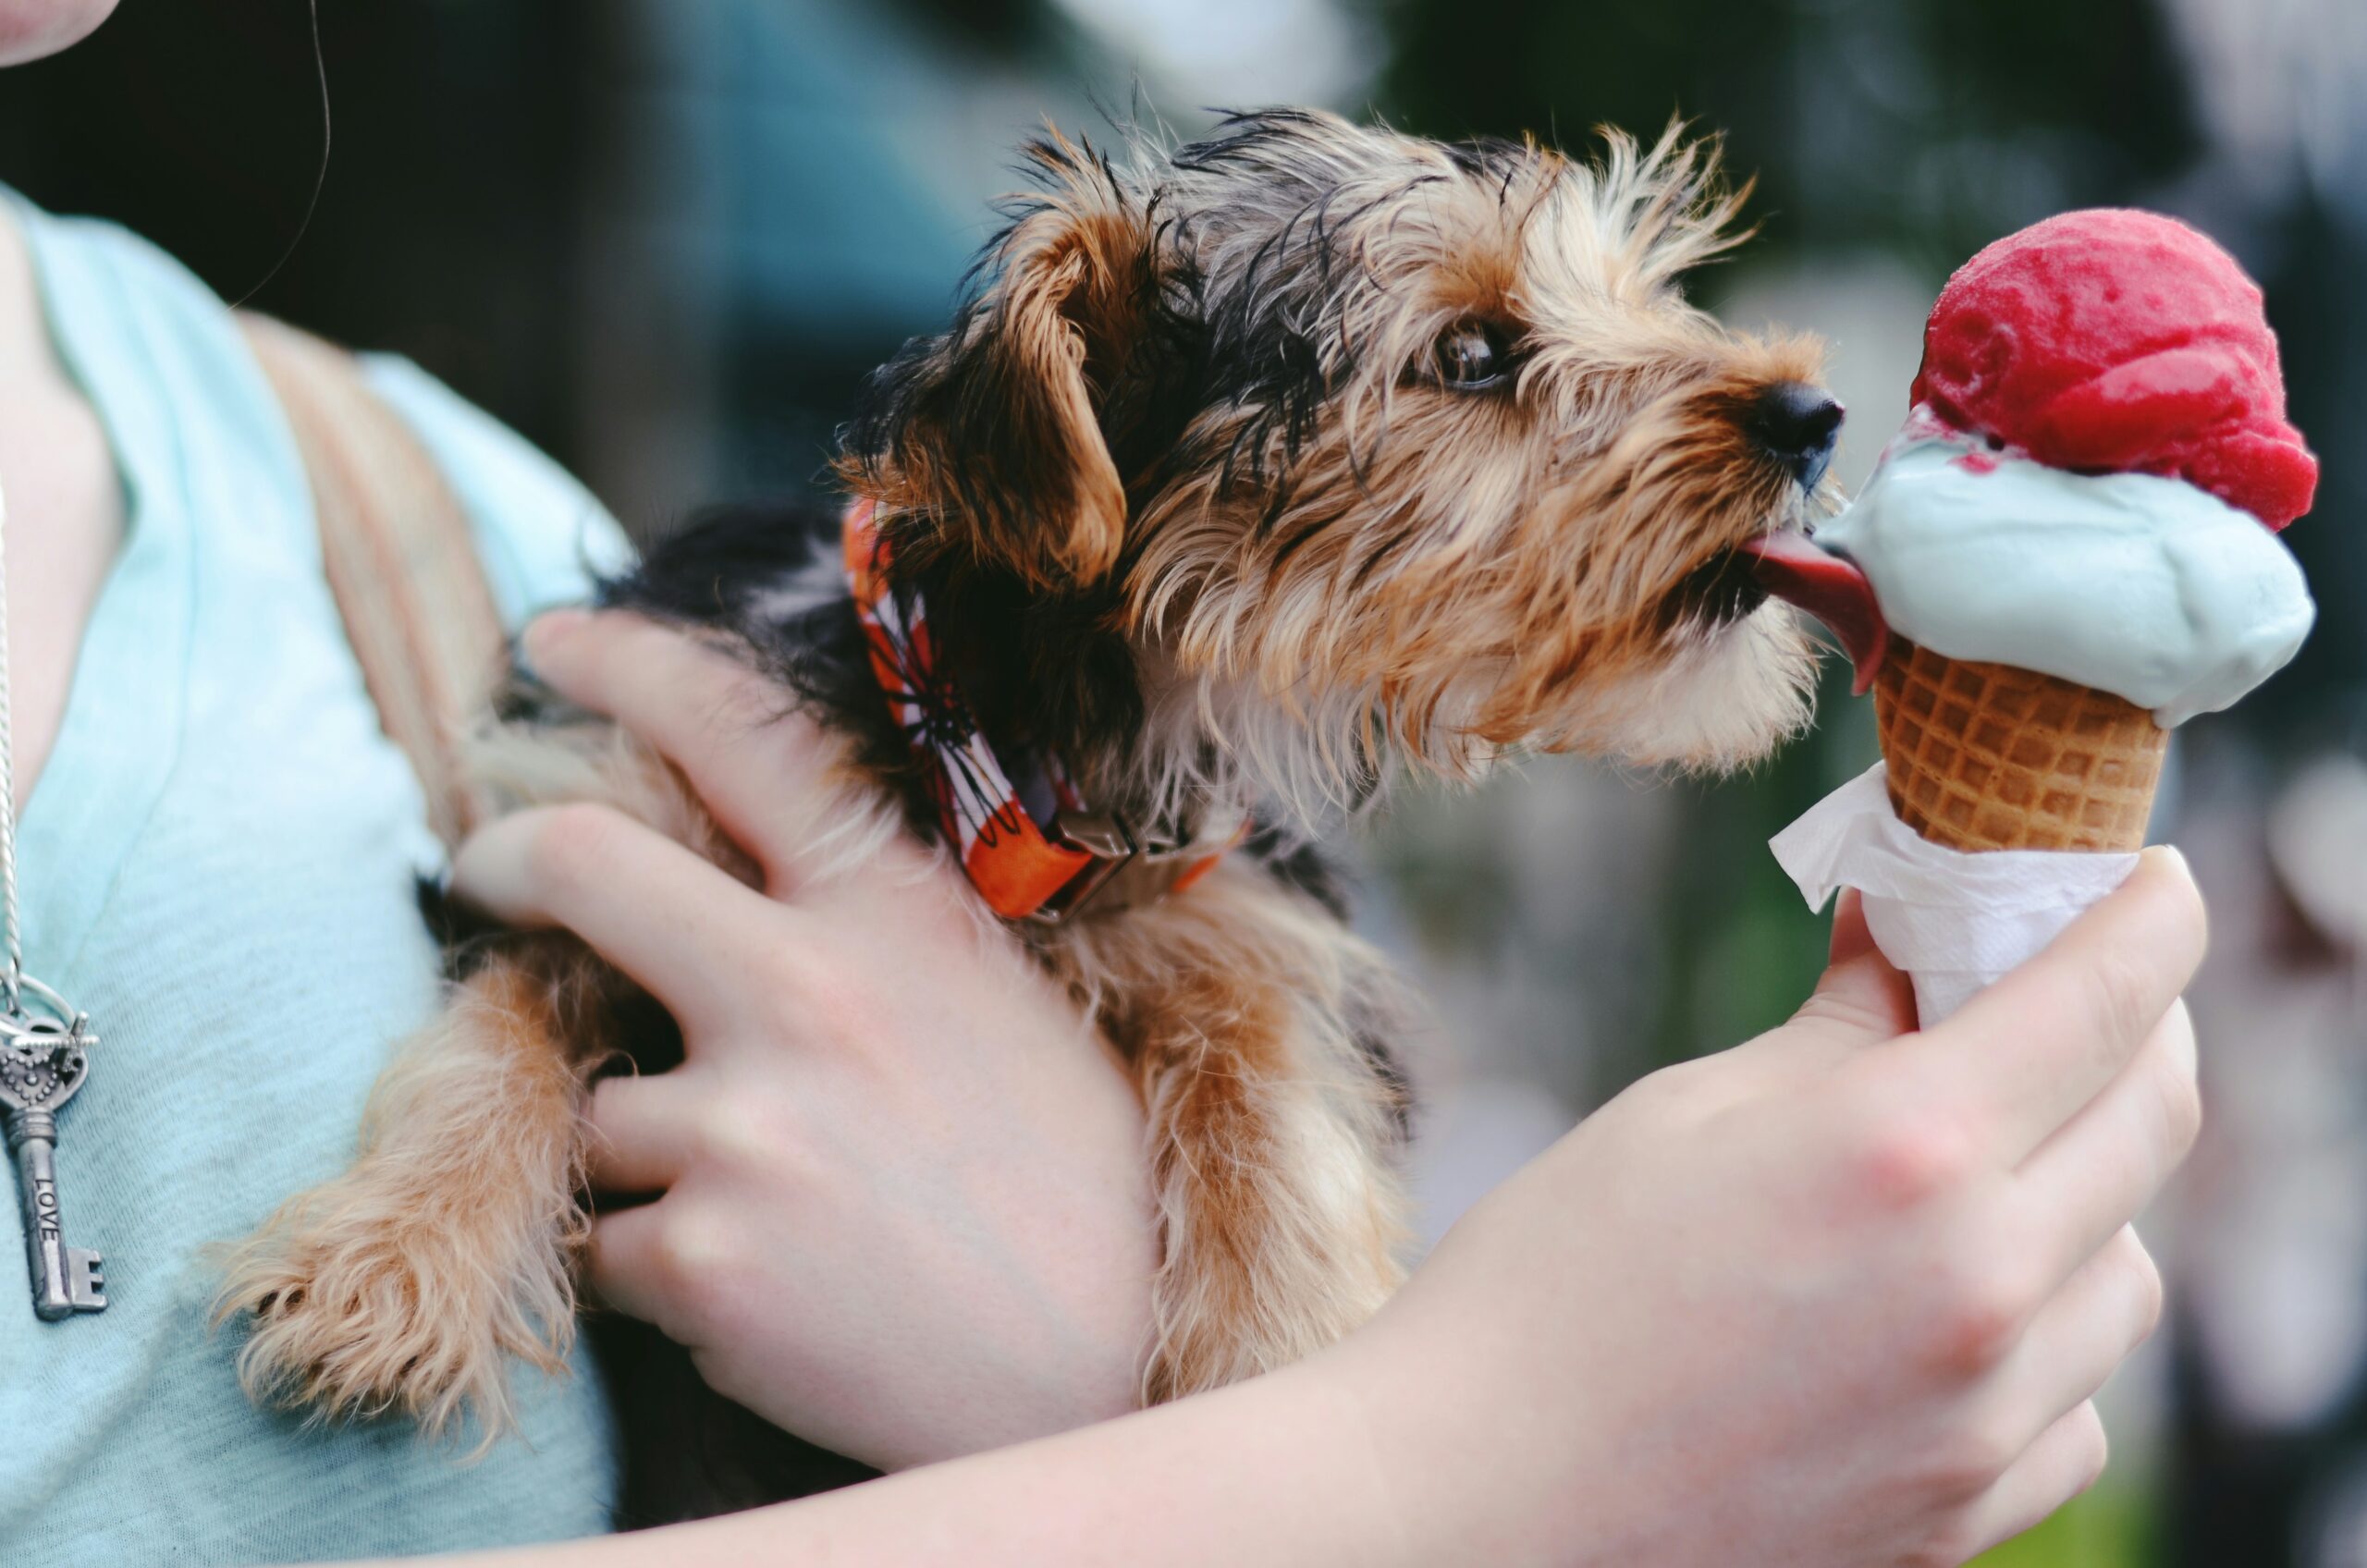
[139,268]
[545,538]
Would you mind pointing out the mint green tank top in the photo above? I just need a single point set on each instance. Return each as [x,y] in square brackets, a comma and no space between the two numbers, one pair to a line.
[218,864]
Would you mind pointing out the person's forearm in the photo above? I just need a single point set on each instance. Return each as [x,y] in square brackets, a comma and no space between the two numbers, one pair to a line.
[1859,1283]
[1274,1471]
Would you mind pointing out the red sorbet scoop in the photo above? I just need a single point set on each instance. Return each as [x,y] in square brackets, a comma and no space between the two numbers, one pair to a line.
[2119,341]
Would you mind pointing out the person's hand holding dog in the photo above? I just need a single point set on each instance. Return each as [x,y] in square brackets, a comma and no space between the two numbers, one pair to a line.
[904,1209]
[1839,1296]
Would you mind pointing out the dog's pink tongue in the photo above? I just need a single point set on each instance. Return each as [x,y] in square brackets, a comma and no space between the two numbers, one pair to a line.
[1830,588]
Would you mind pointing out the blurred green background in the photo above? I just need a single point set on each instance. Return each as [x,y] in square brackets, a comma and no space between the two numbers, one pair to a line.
[665,238]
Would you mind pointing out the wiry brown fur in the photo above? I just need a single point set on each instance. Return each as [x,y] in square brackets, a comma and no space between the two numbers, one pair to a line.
[1282,1219]
[453,1235]
[1441,578]
[1191,507]
[405,1284]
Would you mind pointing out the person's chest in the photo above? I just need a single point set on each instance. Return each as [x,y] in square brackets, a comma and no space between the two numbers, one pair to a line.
[219,863]
[221,866]
[64,508]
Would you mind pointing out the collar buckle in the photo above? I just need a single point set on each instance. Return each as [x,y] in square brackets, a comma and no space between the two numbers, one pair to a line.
[1106,837]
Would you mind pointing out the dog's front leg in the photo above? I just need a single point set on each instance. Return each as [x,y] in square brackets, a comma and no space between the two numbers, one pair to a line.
[406,1284]
[1274,1125]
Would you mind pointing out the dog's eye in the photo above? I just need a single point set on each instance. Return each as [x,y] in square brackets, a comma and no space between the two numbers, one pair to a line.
[1472,354]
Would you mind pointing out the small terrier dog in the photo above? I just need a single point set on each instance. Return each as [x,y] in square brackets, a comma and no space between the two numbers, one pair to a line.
[1256,471]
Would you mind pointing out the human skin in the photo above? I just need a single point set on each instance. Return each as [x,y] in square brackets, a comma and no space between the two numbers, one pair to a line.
[877,1084]
[1838,1297]
[31,29]
[65,510]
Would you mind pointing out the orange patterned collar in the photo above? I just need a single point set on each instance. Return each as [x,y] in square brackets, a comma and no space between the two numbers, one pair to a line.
[1030,844]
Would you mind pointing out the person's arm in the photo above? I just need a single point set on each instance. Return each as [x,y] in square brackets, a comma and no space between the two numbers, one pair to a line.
[1840,1295]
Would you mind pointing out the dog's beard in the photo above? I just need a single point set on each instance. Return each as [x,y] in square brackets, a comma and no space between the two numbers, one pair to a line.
[1304,759]
[1727,694]
[1723,694]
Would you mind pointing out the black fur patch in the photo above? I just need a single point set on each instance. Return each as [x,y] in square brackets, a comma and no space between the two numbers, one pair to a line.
[1038,669]
[766,576]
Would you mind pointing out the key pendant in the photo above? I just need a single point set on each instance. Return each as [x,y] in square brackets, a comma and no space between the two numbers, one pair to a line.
[43,1062]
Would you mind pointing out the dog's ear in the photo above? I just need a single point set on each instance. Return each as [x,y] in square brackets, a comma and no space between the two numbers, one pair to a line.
[993,433]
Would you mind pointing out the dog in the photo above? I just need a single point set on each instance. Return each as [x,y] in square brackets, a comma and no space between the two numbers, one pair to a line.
[1255,475]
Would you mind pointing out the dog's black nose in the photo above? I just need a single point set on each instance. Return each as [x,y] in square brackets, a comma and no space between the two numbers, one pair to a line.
[1798,424]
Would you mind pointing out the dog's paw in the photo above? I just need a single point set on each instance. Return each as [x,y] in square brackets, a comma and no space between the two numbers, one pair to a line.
[365,1300]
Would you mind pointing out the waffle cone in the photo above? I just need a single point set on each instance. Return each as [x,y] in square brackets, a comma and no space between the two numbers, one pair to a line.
[1986,756]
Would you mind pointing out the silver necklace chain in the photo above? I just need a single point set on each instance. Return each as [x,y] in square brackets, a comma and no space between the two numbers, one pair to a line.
[17,988]
[44,1056]
[12,979]
[17,1021]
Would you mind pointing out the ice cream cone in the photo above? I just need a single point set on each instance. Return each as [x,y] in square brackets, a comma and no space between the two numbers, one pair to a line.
[1986,756]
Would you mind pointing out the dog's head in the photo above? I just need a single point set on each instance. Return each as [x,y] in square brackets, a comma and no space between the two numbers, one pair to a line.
[1375,449]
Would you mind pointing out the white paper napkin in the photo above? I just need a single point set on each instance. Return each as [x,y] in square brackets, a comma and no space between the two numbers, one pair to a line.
[1953,921]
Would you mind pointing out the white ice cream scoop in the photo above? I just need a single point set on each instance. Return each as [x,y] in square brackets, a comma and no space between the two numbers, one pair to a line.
[2147,587]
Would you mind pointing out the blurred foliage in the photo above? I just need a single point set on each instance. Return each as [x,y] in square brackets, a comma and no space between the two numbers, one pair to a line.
[1002,27]
[2109,1527]
[1927,128]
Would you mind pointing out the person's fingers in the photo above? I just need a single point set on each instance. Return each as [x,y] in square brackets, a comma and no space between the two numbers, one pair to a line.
[2108,1307]
[627,1260]
[2104,1166]
[748,752]
[1851,937]
[2066,1460]
[640,1131]
[679,925]
[2023,1057]
[671,1264]
[1862,991]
